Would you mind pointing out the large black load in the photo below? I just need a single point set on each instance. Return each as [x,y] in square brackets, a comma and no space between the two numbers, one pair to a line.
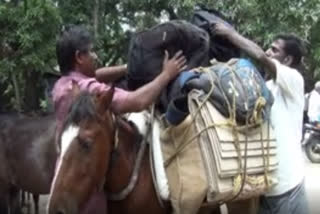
[239,90]
[147,48]
[221,49]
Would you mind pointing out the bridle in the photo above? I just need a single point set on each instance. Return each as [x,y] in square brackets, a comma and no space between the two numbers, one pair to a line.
[137,165]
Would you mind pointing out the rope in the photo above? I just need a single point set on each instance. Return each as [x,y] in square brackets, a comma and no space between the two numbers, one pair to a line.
[256,120]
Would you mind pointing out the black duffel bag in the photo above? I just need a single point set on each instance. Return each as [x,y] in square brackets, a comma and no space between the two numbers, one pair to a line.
[221,49]
[147,48]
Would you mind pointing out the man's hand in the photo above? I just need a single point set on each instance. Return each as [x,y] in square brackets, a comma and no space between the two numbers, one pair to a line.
[221,29]
[172,67]
[141,98]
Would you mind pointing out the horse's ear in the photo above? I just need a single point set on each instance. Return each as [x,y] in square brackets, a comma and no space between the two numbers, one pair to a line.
[104,100]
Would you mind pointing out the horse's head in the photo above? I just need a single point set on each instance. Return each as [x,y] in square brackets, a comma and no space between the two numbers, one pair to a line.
[87,141]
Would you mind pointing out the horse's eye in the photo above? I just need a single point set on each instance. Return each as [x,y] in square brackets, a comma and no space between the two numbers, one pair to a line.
[85,143]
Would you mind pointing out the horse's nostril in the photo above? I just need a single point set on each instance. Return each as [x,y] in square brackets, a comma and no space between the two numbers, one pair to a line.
[60,212]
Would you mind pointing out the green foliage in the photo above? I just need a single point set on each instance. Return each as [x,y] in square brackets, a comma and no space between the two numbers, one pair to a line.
[29,29]
[28,39]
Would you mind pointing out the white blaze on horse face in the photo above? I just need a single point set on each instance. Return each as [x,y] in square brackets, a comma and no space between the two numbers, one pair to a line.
[66,139]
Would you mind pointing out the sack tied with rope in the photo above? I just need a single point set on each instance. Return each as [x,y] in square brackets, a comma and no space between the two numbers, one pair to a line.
[236,82]
[210,159]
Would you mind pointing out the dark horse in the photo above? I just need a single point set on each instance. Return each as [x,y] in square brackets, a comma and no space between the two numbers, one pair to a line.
[27,155]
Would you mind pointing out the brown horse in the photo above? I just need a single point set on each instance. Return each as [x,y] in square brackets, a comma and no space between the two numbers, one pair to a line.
[92,136]
[27,155]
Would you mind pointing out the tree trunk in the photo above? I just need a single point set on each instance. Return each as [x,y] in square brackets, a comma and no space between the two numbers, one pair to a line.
[31,91]
[96,17]
[17,93]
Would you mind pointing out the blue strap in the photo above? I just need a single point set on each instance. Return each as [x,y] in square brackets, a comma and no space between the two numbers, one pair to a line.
[185,76]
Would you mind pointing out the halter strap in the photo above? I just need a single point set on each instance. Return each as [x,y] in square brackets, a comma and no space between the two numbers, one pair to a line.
[135,173]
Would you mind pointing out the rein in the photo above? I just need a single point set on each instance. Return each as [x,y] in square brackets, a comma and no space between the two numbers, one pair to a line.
[137,165]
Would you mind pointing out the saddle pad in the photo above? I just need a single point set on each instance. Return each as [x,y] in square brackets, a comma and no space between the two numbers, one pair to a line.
[260,141]
[228,151]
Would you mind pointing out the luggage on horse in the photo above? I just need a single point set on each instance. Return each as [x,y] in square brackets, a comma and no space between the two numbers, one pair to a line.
[238,159]
[210,160]
[147,48]
[221,49]
[236,89]
[187,180]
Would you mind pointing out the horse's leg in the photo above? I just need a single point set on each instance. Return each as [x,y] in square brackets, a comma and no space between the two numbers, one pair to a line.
[14,203]
[23,202]
[28,203]
[7,201]
[249,206]
[23,198]
[216,210]
[4,202]
[28,197]
[36,203]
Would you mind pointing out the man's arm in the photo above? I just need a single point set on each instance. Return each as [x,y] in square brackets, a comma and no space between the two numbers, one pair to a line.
[251,48]
[141,98]
[110,74]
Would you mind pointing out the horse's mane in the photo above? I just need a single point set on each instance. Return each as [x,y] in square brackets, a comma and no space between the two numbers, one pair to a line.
[82,109]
